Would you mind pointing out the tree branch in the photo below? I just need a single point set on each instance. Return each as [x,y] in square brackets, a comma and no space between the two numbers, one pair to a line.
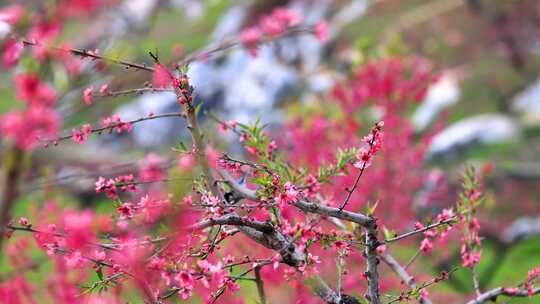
[234,220]
[402,273]
[501,291]
[304,205]
[92,55]
[10,188]
[372,262]
[260,285]
[414,232]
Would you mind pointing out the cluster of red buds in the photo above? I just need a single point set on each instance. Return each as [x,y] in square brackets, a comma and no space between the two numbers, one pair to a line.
[186,90]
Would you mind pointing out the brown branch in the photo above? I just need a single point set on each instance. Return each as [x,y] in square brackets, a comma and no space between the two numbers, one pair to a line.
[445,275]
[235,41]
[10,189]
[355,185]
[112,126]
[260,285]
[305,205]
[414,232]
[130,91]
[372,262]
[402,273]
[492,295]
[87,54]
[322,289]
[234,220]
[199,144]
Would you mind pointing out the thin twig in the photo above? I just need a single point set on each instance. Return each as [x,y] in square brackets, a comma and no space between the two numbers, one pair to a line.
[414,232]
[412,259]
[130,91]
[112,126]
[476,284]
[350,191]
[401,271]
[87,54]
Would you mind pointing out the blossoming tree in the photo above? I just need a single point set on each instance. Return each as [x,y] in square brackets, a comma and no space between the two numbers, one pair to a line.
[306,217]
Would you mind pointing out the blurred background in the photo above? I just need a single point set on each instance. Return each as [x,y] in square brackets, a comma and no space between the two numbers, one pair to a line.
[482,108]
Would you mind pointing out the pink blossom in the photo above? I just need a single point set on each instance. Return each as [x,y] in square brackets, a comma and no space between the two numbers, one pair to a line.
[80,8]
[275,261]
[469,259]
[418,226]
[104,89]
[30,89]
[75,260]
[321,31]
[23,221]
[27,127]
[381,249]
[373,140]
[185,283]
[272,146]
[115,123]
[11,52]
[152,168]
[426,246]
[11,14]
[162,78]
[272,26]
[81,136]
[126,211]
[107,186]
[87,95]
[364,159]
[212,155]
[251,150]
[99,255]
[290,194]
[424,293]
[224,126]
[186,162]
[250,38]
[72,64]
[446,214]
[287,17]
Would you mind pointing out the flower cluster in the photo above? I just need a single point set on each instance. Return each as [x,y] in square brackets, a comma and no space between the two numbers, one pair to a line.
[445,216]
[32,90]
[110,186]
[115,123]
[26,127]
[185,94]
[81,136]
[11,52]
[532,277]
[225,126]
[152,168]
[283,206]
[38,119]
[288,195]
[272,25]
[470,199]
[373,140]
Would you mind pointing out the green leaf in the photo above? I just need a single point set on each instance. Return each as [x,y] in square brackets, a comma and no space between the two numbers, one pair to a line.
[371,209]
[99,272]
[181,147]
[198,108]
[388,234]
